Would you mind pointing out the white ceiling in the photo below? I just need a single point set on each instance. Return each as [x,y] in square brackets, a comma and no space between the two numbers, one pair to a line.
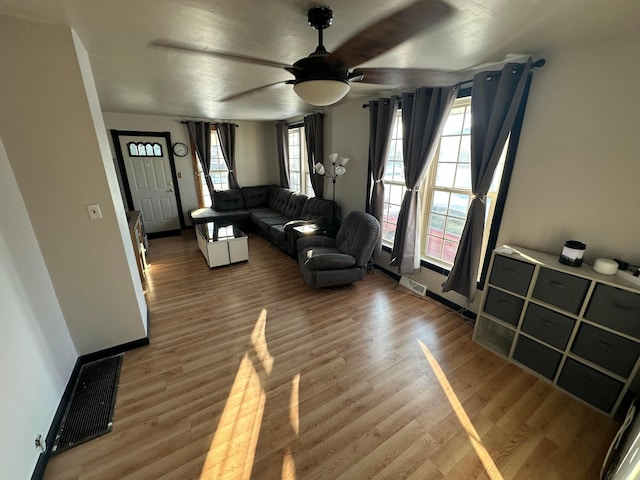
[132,77]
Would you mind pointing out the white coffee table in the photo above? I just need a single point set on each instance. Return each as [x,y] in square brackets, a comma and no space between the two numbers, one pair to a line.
[222,244]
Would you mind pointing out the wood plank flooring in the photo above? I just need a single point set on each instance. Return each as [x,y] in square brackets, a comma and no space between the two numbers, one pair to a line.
[252,375]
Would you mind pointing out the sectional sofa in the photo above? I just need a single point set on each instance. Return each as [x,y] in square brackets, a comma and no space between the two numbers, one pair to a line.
[270,209]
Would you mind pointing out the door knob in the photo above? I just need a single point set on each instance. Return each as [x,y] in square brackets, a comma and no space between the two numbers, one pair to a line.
[170,186]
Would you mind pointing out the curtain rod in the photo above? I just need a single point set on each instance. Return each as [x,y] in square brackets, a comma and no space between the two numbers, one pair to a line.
[212,123]
[537,64]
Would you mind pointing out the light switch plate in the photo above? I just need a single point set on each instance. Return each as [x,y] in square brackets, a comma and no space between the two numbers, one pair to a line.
[94,211]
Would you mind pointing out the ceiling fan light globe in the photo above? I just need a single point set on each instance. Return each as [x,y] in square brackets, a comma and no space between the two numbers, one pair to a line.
[321,92]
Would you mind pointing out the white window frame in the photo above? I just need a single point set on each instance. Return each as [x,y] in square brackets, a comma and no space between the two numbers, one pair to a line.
[428,189]
[298,163]
[432,187]
[218,170]
[394,183]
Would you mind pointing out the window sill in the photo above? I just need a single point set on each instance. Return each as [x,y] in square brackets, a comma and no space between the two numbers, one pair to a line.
[425,263]
[436,268]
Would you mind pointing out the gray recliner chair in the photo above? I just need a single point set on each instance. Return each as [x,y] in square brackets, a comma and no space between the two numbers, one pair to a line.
[325,261]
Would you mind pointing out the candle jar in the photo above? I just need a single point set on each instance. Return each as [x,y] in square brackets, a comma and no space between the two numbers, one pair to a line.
[572,253]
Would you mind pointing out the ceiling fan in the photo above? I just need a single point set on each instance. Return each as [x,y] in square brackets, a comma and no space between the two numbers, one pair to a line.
[324,78]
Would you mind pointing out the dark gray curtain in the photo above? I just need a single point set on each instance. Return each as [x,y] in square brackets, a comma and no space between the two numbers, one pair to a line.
[282,142]
[200,133]
[424,114]
[314,136]
[495,101]
[381,115]
[227,139]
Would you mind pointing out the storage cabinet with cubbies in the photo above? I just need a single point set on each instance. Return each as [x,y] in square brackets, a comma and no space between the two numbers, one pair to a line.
[577,329]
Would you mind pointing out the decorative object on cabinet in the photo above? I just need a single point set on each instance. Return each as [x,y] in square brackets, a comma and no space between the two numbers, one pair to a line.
[605,266]
[576,328]
[572,253]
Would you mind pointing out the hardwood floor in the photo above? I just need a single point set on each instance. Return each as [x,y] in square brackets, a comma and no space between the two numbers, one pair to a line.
[251,374]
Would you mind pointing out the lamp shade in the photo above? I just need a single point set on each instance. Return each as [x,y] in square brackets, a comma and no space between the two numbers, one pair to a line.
[321,92]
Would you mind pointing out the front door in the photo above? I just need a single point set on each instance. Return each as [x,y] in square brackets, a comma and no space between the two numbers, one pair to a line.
[150,181]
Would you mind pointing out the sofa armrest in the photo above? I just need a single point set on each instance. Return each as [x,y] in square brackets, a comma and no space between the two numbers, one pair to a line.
[294,223]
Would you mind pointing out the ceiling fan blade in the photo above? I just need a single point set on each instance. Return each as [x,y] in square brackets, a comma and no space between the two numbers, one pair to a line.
[184,47]
[253,90]
[391,31]
[411,76]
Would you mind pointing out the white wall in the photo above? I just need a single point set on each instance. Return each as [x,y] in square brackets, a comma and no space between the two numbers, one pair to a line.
[36,351]
[57,154]
[111,177]
[578,164]
[577,168]
[256,153]
[255,147]
[347,134]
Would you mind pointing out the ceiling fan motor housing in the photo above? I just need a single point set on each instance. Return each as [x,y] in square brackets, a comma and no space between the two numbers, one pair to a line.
[320,17]
[318,67]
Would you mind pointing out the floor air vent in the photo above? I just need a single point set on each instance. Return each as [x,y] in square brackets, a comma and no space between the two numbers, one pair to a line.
[90,410]
[413,285]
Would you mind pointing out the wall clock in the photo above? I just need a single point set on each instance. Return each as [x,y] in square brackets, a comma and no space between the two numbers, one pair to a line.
[180,149]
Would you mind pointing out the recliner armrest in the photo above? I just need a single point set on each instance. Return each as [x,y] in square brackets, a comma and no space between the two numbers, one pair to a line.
[329,261]
[315,241]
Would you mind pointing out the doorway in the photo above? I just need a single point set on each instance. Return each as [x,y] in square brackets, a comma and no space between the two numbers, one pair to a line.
[149,179]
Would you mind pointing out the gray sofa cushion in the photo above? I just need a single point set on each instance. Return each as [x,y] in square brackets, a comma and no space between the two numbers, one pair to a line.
[295,205]
[258,215]
[279,198]
[327,259]
[255,197]
[267,222]
[224,200]
[278,235]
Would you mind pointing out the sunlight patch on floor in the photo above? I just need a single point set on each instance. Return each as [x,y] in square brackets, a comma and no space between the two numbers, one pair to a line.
[234,444]
[288,466]
[484,456]
[233,448]
[259,342]
[294,403]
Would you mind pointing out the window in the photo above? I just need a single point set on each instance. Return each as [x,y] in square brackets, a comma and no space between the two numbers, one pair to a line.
[446,191]
[393,181]
[218,171]
[143,149]
[299,178]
